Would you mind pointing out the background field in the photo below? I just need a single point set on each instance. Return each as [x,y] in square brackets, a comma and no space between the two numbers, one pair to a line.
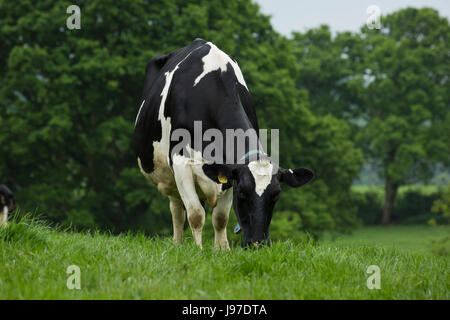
[416,238]
[34,259]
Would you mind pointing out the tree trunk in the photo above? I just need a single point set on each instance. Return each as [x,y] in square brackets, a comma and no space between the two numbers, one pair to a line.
[390,194]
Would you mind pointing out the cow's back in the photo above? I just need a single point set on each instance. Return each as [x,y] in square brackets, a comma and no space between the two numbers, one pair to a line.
[178,90]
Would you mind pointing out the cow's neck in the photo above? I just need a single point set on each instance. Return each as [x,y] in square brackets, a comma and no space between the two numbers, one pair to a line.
[235,118]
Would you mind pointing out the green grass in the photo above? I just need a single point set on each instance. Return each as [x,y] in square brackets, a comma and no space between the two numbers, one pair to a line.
[420,239]
[34,259]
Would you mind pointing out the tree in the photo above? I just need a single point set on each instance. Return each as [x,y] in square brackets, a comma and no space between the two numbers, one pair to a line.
[442,205]
[391,85]
[406,98]
[327,66]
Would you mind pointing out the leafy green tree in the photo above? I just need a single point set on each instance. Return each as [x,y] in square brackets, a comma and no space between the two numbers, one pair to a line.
[391,85]
[327,66]
[442,205]
[406,98]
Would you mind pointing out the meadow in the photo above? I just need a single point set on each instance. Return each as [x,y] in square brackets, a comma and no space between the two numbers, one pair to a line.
[34,259]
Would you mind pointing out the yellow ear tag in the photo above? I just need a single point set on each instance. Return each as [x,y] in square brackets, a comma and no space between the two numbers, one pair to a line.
[222,179]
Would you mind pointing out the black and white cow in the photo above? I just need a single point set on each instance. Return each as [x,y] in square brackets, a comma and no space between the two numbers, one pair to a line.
[201,83]
[7,203]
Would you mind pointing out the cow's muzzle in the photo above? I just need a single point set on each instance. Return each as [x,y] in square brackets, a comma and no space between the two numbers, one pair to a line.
[257,244]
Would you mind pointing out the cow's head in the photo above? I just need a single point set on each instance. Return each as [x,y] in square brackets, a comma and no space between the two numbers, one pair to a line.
[256,189]
[7,202]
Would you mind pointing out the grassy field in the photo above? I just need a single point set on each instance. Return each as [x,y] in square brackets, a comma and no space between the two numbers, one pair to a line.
[419,239]
[34,259]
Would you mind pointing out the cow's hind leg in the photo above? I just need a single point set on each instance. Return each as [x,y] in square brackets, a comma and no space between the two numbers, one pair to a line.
[220,220]
[178,219]
[186,187]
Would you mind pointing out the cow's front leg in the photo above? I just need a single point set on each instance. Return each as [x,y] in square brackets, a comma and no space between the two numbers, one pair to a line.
[4,216]
[178,219]
[186,188]
[220,216]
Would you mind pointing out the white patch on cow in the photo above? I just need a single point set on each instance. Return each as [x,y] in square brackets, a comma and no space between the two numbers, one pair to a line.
[217,59]
[290,170]
[262,173]
[139,112]
[194,162]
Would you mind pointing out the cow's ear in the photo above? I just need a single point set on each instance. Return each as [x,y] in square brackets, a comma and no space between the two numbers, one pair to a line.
[219,173]
[295,177]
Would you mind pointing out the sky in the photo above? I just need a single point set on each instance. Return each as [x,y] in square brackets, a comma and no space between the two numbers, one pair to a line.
[340,15]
